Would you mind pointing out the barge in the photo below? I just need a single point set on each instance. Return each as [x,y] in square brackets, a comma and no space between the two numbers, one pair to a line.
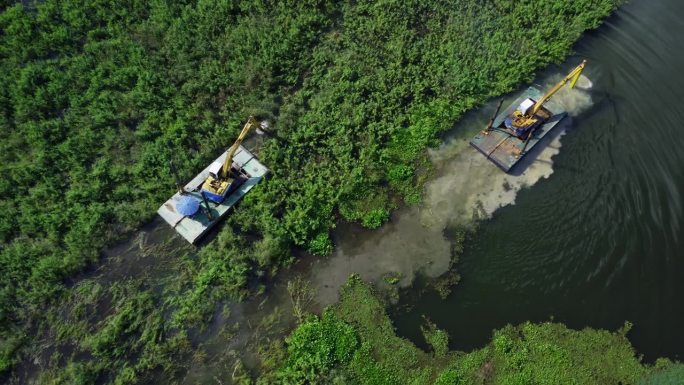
[199,205]
[513,133]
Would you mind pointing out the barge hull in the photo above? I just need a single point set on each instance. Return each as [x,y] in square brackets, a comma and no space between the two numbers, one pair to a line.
[501,147]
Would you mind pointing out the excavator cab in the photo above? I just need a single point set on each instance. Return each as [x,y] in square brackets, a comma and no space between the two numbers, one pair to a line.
[522,121]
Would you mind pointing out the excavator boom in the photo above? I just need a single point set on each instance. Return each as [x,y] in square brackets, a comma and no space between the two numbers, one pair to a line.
[225,170]
[572,76]
[217,185]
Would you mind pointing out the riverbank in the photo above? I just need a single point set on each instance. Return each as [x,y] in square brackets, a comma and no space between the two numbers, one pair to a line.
[354,342]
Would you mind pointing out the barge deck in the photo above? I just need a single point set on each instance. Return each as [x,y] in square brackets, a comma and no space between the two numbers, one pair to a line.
[192,228]
[501,146]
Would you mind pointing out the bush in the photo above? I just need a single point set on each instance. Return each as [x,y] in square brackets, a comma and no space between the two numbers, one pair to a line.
[320,245]
[316,347]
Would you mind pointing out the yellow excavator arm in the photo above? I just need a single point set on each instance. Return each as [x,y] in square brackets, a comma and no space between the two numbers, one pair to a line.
[225,170]
[216,186]
[572,76]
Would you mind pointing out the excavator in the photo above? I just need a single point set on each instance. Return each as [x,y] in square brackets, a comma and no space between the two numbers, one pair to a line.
[200,204]
[224,178]
[523,124]
[530,114]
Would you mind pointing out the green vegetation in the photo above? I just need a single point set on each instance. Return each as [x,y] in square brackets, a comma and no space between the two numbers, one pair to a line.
[544,353]
[668,375]
[315,348]
[97,96]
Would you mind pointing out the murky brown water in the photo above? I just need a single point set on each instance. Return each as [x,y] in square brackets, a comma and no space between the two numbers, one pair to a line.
[465,186]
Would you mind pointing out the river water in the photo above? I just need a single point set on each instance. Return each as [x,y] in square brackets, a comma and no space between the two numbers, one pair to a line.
[600,240]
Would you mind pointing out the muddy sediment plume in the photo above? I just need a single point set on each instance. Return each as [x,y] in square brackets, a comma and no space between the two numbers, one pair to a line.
[467,187]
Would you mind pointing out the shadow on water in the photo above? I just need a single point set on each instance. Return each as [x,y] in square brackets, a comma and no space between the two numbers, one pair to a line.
[545,144]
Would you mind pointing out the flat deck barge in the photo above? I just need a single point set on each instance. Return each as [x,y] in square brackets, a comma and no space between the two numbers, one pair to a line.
[192,228]
[501,146]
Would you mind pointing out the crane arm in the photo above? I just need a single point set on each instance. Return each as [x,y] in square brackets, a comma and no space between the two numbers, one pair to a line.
[573,75]
[225,170]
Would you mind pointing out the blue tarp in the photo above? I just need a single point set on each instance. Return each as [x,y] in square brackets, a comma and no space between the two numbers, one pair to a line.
[187,206]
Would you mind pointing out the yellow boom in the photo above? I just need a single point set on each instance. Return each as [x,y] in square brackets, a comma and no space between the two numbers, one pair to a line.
[572,76]
[217,185]
[225,170]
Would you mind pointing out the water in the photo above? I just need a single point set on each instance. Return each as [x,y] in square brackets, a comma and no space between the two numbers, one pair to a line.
[600,240]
